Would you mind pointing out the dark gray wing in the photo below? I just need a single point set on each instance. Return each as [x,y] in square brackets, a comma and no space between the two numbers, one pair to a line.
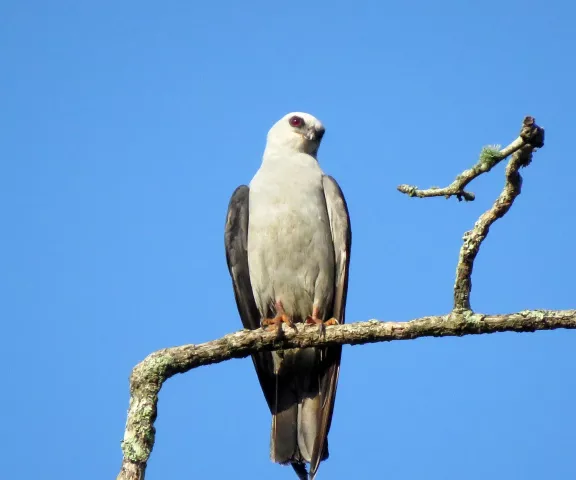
[236,243]
[342,240]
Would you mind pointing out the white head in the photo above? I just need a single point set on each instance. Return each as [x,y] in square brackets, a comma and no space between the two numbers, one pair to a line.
[296,131]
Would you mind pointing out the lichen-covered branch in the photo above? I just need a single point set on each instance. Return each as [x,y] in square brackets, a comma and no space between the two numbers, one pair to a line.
[148,376]
[532,137]
[489,157]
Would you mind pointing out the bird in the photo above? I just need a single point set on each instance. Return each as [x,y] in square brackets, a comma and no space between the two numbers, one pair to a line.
[288,240]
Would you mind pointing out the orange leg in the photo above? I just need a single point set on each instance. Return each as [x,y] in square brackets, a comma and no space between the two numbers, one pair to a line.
[314,320]
[280,318]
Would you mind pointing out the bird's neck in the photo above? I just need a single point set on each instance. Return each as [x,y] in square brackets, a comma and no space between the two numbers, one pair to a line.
[287,160]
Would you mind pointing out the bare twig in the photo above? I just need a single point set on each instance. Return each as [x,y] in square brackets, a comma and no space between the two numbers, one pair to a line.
[489,157]
[532,137]
[148,376]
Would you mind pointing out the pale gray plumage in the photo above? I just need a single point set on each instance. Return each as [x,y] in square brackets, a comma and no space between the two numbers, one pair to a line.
[288,240]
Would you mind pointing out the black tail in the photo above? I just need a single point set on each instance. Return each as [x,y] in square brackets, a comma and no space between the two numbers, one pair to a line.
[302,411]
[300,469]
[297,410]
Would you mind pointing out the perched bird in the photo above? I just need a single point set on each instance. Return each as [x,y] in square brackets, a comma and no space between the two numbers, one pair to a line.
[287,240]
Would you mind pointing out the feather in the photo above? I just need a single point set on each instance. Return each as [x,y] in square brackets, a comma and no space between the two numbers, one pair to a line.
[236,243]
[342,240]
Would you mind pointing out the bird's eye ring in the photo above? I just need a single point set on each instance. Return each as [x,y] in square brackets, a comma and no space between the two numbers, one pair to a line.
[296,121]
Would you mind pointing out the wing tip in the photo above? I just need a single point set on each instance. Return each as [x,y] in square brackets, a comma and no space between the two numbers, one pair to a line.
[315,465]
[300,469]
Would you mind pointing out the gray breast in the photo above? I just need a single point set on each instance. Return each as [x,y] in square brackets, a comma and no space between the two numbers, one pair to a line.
[290,250]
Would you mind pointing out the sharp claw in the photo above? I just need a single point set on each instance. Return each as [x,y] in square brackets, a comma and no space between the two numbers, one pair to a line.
[275,323]
[279,332]
[288,321]
[314,320]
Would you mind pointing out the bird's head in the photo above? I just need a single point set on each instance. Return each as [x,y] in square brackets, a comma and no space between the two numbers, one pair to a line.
[297,131]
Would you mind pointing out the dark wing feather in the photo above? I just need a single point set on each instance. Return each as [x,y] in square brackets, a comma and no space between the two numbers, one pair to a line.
[236,243]
[342,240]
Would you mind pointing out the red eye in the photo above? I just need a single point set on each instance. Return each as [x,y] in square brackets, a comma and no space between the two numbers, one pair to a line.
[296,121]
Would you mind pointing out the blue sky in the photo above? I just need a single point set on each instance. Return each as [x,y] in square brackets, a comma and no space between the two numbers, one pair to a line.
[127,125]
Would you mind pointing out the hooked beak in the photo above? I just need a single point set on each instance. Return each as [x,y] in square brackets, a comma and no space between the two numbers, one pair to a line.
[315,134]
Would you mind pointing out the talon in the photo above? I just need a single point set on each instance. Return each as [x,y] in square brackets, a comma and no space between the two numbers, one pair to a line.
[276,322]
[314,320]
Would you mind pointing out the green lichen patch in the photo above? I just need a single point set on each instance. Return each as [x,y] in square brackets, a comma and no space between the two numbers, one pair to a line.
[490,155]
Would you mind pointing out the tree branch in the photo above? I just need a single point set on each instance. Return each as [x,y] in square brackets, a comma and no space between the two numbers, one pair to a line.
[531,137]
[489,157]
[149,375]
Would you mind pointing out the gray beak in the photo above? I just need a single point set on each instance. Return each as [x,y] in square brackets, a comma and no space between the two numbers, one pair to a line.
[315,134]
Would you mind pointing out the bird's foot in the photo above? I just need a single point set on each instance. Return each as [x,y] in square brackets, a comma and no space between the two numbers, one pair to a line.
[276,322]
[332,321]
[314,320]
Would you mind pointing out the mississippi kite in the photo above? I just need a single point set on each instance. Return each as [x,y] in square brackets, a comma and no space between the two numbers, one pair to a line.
[288,241]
